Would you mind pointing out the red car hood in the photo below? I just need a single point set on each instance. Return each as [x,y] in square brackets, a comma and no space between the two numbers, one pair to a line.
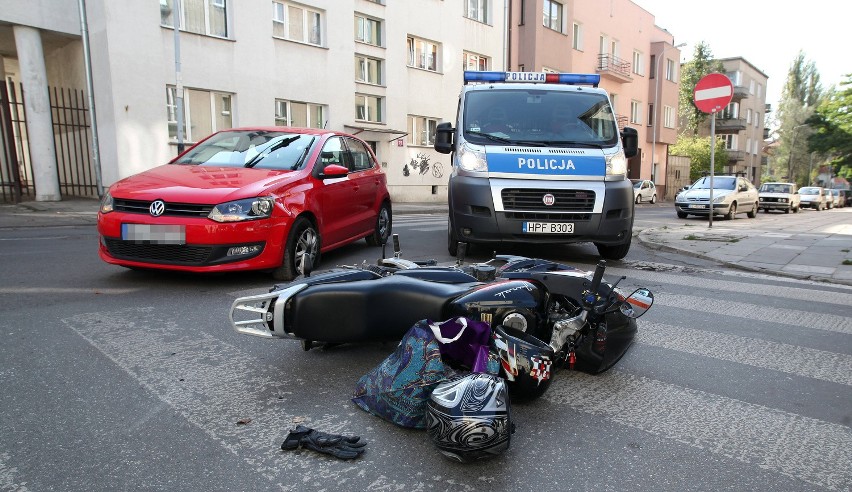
[200,184]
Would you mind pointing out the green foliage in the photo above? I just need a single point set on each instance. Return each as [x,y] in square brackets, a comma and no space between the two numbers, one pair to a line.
[832,125]
[698,151]
[702,63]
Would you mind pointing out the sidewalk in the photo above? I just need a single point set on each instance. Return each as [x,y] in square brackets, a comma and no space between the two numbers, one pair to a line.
[809,244]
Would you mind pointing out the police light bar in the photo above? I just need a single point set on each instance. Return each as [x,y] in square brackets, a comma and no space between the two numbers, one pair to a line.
[592,79]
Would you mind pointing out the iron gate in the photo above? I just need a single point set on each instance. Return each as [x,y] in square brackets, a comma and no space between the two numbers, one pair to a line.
[71,136]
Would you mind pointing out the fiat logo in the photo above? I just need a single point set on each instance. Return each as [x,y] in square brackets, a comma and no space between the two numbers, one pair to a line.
[548,199]
[157,208]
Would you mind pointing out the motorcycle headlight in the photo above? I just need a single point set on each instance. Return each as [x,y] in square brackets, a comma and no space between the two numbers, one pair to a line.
[472,159]
[239,210]
[616,164]
[106,203]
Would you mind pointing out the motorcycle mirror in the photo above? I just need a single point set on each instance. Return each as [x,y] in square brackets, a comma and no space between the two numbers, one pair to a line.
[397,251]
[462,251]
[637,303]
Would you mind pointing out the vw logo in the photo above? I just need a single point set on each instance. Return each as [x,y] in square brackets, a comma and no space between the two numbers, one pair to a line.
[157,208]
[548,199]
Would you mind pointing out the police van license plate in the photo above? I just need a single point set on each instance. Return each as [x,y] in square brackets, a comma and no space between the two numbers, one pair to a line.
[548,227]
[153,234]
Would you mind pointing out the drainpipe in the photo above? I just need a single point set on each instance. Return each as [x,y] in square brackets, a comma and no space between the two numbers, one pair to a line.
[87,60]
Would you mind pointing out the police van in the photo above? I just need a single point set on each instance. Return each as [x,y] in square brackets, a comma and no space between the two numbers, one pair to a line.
[538,158]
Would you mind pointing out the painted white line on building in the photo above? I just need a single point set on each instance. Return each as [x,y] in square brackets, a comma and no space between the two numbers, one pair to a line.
[792,445]
[213,385]
[790,359]
[791,317]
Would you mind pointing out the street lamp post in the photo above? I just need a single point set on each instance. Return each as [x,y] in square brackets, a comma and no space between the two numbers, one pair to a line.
[656,98]
[790,156]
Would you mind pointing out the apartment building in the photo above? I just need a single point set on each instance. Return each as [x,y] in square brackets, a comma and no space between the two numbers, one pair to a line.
[637,60]
[388,71]
[741,124]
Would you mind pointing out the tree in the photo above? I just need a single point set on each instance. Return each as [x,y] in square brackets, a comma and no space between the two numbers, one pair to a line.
[698,151]
[832,128]
[692,71]
[800,97]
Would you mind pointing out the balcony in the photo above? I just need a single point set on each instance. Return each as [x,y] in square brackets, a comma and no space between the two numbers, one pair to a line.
[730,124]
[736,155]
[740,92]
[614,68]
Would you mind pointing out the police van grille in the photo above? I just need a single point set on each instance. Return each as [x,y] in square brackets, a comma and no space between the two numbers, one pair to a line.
[532,200]
[172,209]
[541,216]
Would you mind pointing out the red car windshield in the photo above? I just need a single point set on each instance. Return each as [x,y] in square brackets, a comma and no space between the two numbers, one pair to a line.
[261,149]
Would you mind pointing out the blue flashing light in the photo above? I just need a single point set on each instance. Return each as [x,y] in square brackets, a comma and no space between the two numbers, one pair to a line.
[533,77]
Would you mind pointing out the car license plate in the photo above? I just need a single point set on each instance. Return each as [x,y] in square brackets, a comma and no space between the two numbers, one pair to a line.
[154,234]
[695,205]
[548,227]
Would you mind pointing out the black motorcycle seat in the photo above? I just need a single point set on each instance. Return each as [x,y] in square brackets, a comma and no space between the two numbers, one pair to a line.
[369,310]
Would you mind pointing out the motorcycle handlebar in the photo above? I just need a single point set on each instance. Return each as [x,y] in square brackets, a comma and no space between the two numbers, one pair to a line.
[596,284]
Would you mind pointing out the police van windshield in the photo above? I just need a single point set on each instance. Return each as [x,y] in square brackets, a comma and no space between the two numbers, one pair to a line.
[539,117]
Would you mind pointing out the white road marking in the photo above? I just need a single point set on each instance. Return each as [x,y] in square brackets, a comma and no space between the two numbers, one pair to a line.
[68,290]
[7,476]
[790,359]
[792,445]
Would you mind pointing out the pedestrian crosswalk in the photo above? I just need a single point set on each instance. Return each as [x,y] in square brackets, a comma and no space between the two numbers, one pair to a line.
[420,222]
[781,411]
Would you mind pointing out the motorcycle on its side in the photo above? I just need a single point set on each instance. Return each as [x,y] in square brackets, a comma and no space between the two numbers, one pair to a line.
[587,322]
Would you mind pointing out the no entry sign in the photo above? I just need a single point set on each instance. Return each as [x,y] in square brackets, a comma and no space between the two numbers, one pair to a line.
[713,92]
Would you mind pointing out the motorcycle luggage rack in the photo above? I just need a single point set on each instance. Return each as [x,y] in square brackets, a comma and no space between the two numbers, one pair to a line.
[263,315]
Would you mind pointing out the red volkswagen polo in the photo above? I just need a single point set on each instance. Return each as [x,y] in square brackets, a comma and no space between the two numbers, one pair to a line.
[248,199]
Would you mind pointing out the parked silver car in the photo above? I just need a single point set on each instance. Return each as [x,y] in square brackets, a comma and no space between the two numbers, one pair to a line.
[813,197]
[644,191]
[732,195]
[839,198]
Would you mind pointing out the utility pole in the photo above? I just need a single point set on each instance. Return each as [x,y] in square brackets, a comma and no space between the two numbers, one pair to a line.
[178,78]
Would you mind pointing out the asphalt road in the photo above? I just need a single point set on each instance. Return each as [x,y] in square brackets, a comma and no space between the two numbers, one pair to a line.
[113,379]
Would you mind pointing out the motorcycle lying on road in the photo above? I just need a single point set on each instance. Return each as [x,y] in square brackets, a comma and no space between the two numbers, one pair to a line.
[588,323]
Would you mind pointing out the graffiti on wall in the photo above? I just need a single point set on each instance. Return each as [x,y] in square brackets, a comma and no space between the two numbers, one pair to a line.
[420,166]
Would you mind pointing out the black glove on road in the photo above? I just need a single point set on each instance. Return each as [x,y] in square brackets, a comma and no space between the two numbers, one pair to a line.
[339,446]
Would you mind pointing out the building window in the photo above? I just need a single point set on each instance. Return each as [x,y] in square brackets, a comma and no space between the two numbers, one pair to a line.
[650,114]
[730,141]
[759,90]
[751,87]
[301,114]
[736,77]
[552,15]
[297,23]
[204,112]
[577,40]
[670,70]
[748,116]
[369,108]
[472,61]
[549,70]
[638,69]
[477,10]
[731,111]
[652,74]
[368,30]
[668,117]
[603,44]
[368,70]
[635,112]
[199,16]
[421,130]
[523,15]
[757,119]
[422,54]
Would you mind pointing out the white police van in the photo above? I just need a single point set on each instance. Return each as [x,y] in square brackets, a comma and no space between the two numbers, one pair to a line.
[538,158]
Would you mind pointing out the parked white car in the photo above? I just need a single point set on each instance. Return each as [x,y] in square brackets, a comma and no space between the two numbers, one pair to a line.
[732,195]
[779,196]
[644,190]
[813,197]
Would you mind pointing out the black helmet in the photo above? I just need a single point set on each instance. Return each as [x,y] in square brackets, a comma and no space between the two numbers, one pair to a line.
[470,418]
[526,361]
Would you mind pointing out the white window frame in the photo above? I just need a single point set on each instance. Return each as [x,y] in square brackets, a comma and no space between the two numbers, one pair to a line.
[417,45]
[481,62]
[317,114]
[361,102]
[477,10]
[362,63]
[311,34]
[362,33]
[171,111]
[751,87]
[730,140]
[669,117]
[421,130]
[635,112]
[732,110]
[638,67]
[748,116]
[553,15]
[577,36]
[603,44]
[670,70]
[208,4]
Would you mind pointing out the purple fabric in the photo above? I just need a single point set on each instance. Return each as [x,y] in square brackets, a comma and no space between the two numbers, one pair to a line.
[471,349]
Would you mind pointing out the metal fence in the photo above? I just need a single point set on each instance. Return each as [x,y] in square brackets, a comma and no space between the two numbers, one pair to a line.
[72,136]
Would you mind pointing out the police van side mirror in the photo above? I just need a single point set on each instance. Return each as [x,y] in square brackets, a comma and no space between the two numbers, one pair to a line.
[630,141]
[444,133]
